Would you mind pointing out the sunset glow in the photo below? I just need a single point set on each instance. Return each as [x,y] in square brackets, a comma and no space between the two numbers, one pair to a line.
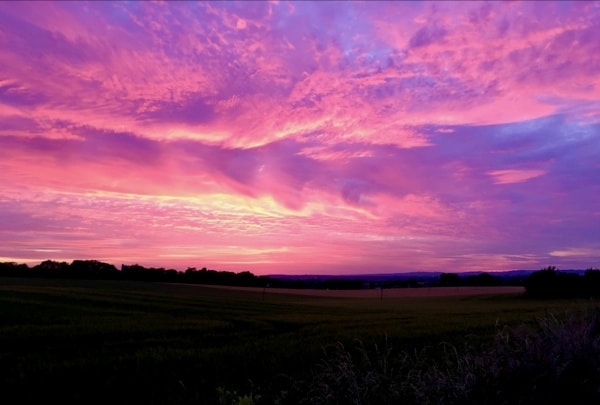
[301,137]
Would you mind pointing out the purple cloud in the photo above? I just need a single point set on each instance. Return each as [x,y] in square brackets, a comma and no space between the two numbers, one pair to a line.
[388,136]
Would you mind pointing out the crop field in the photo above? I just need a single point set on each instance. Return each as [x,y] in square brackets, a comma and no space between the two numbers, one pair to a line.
[135,342]
[388,293]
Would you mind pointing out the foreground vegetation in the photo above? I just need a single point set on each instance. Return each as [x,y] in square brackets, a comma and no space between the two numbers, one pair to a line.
[555,361]
[98,341]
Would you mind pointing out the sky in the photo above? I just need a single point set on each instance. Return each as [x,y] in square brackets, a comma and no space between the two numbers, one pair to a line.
[301,137]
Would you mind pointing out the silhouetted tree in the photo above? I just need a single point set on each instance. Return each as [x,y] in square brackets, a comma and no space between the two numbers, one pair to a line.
[591,282]
[550,283]
[543,283]
[449,279]
[483,279]
[12,269]
[51,268]
[93,269]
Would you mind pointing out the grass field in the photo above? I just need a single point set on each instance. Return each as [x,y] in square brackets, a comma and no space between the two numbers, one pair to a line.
[132,342]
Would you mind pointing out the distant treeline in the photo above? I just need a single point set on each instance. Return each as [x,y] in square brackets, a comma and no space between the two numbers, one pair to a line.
[478,280]
[546,283]
[97,270]
[551,283]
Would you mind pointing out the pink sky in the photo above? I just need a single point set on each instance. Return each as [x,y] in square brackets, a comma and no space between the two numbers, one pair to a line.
[299,137]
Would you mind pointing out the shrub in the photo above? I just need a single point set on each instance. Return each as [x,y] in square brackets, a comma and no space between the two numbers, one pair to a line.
[555,361]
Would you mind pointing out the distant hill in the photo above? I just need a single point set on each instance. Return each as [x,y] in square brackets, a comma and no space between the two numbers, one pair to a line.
[418,275]
[365,277]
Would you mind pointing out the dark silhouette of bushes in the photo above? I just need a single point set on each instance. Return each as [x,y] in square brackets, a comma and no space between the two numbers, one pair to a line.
[140,273]
[93,269]
[478,280]
[97,270]
[591,283]
[450,280]
[213,277]
[483,279]
[12,269]
[551,283]
[80,269]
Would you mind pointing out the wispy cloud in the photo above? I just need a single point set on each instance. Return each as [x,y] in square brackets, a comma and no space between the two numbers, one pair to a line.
[301,136]
[514,175]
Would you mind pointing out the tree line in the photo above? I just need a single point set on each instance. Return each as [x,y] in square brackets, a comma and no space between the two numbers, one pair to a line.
[478,280]
[545,283]
[97,270]
[552,283]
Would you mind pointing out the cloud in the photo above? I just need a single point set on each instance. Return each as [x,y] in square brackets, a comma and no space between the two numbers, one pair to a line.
[302,135]
[514,176]
[570,252]
[427,36]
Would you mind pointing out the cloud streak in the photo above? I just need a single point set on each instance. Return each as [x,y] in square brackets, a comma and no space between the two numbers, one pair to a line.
[301,136]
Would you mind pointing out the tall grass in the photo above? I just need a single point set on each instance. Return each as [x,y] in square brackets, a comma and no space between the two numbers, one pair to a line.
[556,360]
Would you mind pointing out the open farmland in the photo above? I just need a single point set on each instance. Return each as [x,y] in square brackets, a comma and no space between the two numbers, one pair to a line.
[387,293]
[133,342]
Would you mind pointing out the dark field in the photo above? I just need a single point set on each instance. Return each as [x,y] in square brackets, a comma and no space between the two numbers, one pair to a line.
[134,342]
